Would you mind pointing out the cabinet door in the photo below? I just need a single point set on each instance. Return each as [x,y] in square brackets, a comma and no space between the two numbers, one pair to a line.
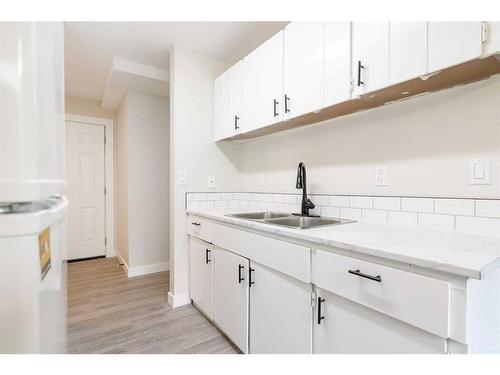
[303,68]
[236,97]
[222,107]
[345,327]
[408,51]
[231,296]
[280,312]
[370,56]
[200,275]
[337,62]
[263,84]
[452,43]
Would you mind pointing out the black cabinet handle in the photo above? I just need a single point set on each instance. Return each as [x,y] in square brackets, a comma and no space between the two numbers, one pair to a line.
[320,317]
[196,224]
[236,119]
[360,82]
[275,106]
[207,251]
[250,282]
[287,98]
[240,278]
[366,276]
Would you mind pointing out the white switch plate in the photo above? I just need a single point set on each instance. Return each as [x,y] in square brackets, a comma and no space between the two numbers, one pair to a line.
[479,171]
[381,176]
[181,178]
[211,182]
[260,179]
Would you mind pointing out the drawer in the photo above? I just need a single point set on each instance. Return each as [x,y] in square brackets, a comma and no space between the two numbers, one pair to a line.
[288,258]
[418,300]
[199,227]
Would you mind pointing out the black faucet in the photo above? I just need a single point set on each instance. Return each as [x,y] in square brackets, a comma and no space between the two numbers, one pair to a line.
[301,184]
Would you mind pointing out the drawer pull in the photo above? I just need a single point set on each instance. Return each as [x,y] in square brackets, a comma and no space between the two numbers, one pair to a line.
[240,278]
[196,224]
[207,251]
[320,317]
[366,276]
[250,282]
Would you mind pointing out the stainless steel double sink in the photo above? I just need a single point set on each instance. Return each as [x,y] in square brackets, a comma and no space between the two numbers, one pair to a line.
[289,220]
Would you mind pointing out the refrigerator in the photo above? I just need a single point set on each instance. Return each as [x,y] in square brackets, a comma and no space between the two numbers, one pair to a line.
[33,205]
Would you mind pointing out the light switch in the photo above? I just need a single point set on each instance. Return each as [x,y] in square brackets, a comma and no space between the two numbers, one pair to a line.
[181,178]
[479,171]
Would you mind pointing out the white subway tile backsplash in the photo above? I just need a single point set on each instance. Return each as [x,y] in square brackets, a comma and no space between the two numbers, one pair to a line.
[207,205]
[488,208]
[374,216]
[387,203]
[417,204]
[199,197]
[213,196]
[226,196]
[454,206]
[361,202]
[435,221]
[339,201]
[350,213]
[220,204]
[402,218]
[330,211]
[320,200]
[478,225]
[476,216]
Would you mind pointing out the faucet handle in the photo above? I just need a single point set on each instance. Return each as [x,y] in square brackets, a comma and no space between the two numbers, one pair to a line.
[309,204]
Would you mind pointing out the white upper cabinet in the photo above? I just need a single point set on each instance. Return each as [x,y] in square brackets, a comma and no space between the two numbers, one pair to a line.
[408,51]
[370,56]
[303,68]
[263,84]
[452,43]
[337,52]
[228,102]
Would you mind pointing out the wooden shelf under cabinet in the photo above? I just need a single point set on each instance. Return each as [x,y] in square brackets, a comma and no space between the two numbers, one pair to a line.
[471,71]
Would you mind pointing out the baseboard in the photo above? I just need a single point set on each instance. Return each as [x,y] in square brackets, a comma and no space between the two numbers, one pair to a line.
[178,300]
[122,261]
[147,269]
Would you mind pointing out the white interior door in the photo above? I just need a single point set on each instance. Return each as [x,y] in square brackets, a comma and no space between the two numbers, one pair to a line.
[85,174]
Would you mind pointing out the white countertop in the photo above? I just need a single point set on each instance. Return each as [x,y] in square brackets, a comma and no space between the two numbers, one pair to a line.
[456,253]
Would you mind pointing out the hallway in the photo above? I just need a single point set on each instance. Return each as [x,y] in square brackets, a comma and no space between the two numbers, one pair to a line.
[110,313]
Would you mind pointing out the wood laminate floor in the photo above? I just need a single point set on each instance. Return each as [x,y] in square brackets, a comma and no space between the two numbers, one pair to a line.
[110,313]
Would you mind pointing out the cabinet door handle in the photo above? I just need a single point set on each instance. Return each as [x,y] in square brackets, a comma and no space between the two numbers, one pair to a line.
[240,278]
[207,251]
[250,282]
[196,224]
[360,82]
[275,106]
[287,98]
[320,317]
[366,276]
[236,119]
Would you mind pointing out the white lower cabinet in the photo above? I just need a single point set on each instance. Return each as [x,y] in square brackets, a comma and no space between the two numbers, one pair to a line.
[231,296]
[200,274]
[345,327]
[280,312]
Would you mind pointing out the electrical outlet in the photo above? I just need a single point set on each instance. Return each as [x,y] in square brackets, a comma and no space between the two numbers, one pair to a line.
[211,182]
[260,179]
[479,171]
[381,176]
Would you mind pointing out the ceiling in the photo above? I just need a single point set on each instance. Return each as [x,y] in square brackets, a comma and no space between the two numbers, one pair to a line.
[90,46]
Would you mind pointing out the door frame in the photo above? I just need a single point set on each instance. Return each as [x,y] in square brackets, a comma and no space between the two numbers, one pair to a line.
[109,197]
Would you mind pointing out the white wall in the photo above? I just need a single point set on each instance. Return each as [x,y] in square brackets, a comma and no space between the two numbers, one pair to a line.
[143,183]
[121,185]
[148,179]
[87,107]
[193,151]
[425,143]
